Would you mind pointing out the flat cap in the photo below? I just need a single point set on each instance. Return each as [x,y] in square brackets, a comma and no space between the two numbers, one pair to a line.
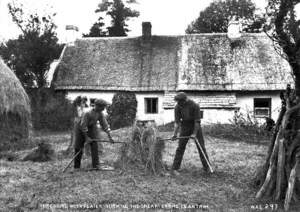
[101,102]
[180,96]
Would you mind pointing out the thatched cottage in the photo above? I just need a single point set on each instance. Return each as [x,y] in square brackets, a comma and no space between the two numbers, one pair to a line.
[221,74]
[14,108]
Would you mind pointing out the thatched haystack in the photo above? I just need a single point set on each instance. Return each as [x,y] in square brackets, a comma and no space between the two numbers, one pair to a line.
[14,109]
[144,150]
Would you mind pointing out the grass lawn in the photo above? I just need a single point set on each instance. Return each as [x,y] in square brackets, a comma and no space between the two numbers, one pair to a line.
[28,186]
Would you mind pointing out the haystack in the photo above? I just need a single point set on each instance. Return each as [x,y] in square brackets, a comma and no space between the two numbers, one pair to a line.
[14,109]
[144,150]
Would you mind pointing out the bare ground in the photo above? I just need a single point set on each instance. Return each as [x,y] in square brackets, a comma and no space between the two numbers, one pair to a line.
[28,186]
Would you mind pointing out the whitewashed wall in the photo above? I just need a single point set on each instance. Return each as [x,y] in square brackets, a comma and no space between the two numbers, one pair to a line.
[168,116]
[91,95]
[210,116]
[246,103]
[159,117]
[107,96]
[141,115]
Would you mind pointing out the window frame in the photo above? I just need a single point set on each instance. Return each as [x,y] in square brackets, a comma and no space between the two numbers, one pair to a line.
[146,99]
[269,108]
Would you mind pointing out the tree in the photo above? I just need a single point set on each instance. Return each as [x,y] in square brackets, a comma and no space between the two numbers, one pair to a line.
[280,173]
[283,28]
[96,30]
[122,112]
[32,52]
[119,14]
[216,16]
[50,110]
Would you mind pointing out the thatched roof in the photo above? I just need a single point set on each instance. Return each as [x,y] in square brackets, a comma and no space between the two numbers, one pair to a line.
[189,62]
[118,64]
[214,62]
[13,97]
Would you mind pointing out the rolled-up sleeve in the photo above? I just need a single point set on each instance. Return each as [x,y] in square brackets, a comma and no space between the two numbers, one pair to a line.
[84,122]
[103,122]
[177,114]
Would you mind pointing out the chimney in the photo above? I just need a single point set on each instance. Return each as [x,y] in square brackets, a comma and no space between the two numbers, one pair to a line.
[146,30]
[72,33]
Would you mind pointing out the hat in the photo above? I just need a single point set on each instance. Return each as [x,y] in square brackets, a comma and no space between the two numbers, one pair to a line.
[180,96]
[84,98]
[79,100]
[101,102]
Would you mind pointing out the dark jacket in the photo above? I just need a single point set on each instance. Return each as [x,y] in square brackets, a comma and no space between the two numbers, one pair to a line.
[189,113]
[89,123]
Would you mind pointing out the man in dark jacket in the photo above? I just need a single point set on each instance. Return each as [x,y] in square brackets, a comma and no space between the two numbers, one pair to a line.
[187,120]
[87,131]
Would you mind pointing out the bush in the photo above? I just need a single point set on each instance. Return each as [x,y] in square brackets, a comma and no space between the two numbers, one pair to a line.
[122,112]
[168,127]
[50,110]
[243,127]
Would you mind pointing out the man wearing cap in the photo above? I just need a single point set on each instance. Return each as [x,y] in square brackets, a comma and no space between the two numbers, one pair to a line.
[87,131]
[187,121]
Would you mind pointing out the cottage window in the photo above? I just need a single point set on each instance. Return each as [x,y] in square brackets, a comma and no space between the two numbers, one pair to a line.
[151,105]
[262,107]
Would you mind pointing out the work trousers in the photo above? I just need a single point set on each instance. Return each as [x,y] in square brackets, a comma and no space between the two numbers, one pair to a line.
[79,145]
[187,130]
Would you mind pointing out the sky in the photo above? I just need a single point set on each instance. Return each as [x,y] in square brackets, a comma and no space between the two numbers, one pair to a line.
[168,17]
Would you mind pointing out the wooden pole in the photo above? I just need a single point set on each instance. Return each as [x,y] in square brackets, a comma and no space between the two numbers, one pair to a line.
[67,166]
[206,159]
[198,144]
[264,187]
[280,169]
[276,131]
[291,185]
